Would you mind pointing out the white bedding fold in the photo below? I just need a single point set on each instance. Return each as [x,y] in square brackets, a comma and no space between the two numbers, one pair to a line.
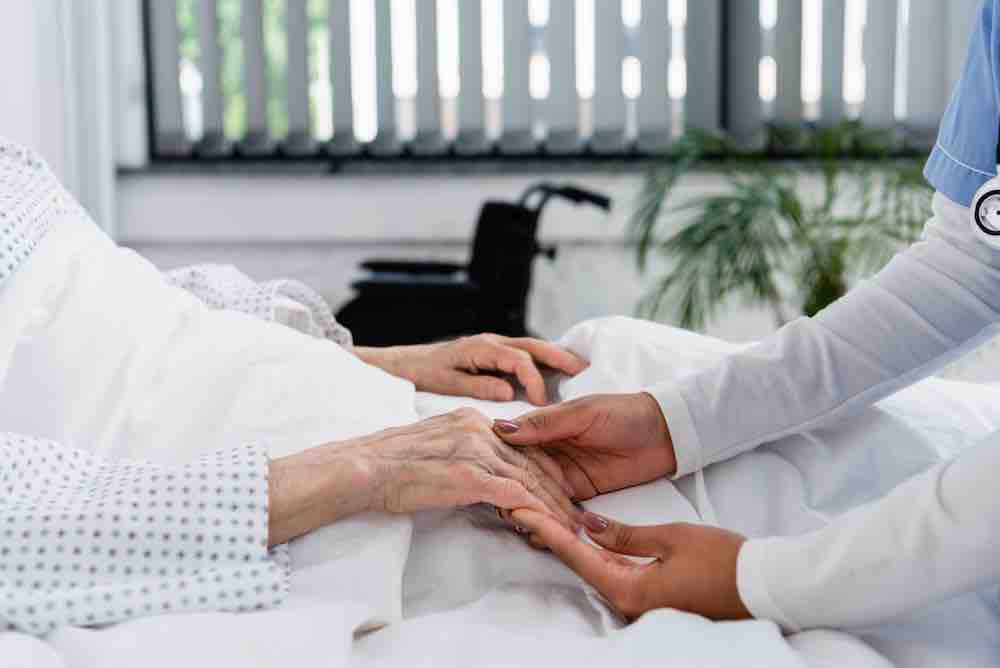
[145,370]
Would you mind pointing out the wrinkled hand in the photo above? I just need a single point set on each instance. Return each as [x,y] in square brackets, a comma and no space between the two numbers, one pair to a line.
[456,460]
[471,366]
[602,443]
[694,567]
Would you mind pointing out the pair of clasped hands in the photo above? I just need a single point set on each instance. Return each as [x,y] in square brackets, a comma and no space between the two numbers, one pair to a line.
[536,466]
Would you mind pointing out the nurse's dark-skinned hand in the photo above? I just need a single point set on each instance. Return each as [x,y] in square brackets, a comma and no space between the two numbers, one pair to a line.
[693,567]
[602,443]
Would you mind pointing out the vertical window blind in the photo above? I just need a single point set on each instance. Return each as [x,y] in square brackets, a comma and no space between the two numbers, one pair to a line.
[388,78]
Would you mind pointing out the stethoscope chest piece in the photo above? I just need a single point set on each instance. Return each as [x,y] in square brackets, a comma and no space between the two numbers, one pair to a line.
[985,213]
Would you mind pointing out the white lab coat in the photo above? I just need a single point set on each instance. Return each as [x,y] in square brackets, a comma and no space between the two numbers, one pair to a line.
[934,536]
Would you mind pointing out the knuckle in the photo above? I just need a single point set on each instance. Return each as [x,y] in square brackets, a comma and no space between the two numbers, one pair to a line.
[468,475]
[513,489]
[539,421]
[476,486]
[469,418]
[529,480]
[456,414]
[484,339]
[625,537]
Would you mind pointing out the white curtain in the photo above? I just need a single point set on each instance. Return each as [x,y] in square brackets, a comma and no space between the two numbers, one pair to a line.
[56,73]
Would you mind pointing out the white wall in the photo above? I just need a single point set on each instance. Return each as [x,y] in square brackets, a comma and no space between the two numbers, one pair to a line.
[31,78]
[55,74]
[318,228]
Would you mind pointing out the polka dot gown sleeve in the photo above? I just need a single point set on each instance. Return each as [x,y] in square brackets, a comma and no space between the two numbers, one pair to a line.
[85,541]
[31,202]
[286,301]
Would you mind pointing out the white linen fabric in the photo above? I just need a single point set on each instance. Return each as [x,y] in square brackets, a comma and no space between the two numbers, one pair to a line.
[95,571]
[803,486]
[283,300]
[32,201]
[102,353]
[87,541]
[931,304]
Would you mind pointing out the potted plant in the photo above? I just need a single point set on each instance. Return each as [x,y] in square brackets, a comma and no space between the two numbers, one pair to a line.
[789,231]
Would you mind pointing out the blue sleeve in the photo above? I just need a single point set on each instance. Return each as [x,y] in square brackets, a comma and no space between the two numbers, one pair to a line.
[965,155]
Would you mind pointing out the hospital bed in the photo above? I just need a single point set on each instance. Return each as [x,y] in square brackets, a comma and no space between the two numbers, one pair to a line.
[449,588]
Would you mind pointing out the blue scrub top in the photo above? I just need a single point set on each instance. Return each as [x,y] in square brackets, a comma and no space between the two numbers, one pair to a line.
[965,155]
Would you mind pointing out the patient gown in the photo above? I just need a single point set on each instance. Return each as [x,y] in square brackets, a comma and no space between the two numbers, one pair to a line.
[87,541]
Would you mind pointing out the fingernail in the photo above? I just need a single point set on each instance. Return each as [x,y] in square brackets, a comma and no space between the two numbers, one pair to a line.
[506,426]
[594,523]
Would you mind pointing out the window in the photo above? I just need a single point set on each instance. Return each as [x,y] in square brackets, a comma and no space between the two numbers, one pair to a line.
[348,79]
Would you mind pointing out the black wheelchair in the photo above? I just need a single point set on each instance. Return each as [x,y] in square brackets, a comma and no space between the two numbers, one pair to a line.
[405,302]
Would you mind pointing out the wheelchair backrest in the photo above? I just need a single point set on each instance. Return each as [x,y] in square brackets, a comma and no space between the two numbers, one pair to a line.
[502,252]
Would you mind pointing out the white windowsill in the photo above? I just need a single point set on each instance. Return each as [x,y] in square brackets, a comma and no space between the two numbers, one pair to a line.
[158,208]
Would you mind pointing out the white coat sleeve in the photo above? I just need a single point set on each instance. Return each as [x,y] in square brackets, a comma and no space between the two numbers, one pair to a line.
[929,305]
[936,535]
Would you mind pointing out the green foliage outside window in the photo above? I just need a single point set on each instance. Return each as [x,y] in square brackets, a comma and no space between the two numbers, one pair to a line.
[275,52]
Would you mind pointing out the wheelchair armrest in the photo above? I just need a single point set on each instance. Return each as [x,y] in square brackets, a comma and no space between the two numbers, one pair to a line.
[408,267]
[411,287]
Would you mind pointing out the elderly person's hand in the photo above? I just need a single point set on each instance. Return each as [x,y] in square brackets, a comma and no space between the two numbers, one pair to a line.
[442,462]
[693,567]
[481,366]
[602,443]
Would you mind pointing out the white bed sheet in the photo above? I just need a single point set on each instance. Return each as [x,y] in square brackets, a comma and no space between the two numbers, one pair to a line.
[159,377]
[801,482]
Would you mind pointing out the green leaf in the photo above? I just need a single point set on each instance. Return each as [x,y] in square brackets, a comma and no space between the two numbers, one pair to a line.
[760,233]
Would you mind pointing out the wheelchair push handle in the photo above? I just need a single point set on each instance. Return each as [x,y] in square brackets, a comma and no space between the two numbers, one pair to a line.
[547,251]
[581,196]
[575,194]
